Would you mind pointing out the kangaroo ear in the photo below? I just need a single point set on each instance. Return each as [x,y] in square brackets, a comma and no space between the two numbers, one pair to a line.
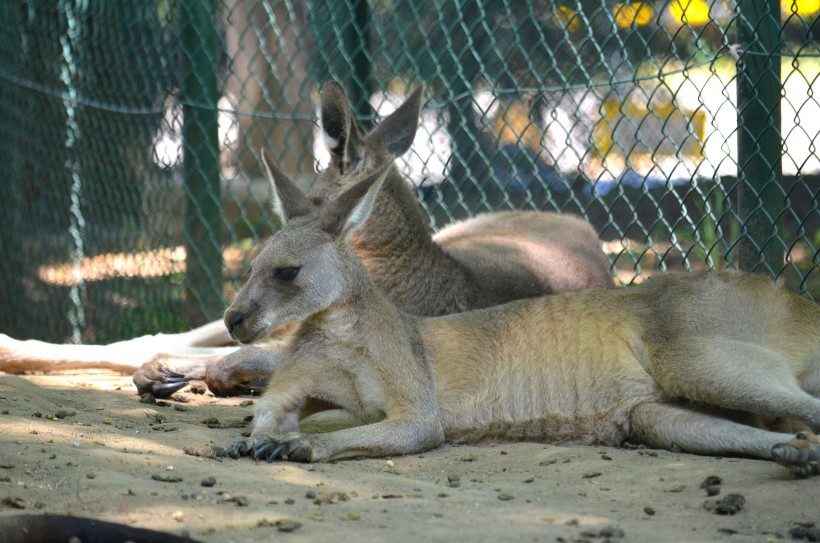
[397,131]
[287,200]
[341,135]
[352,207]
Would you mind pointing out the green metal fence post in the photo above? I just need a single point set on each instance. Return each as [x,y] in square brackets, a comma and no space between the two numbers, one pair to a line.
[14,270]
[203,213]
[357,44]
[760,177]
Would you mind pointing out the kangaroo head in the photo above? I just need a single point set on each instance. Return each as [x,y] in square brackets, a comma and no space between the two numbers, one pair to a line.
[306,265]
[354,155]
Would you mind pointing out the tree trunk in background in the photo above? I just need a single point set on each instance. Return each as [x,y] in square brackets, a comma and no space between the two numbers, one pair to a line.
[269,76]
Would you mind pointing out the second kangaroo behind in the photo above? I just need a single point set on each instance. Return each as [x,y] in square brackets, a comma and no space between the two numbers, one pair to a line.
[691,362]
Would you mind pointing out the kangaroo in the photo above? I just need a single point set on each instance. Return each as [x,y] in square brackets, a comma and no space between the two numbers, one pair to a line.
[689,362]
[488,260]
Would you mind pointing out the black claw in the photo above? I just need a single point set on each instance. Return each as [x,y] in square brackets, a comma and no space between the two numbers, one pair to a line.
[238,449]
[219,452]
[261,448]
[163,390]
[276,453]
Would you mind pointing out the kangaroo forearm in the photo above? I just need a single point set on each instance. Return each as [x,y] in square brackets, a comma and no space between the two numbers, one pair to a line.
[386,438]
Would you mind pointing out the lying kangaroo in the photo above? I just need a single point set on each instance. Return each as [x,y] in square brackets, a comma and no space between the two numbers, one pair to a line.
[485,261]
[675,363]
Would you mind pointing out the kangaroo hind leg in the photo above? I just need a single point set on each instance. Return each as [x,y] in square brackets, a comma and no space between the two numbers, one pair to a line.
[735,375]
[698,431]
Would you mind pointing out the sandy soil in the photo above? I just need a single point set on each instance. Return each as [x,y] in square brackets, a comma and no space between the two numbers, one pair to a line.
[104,457]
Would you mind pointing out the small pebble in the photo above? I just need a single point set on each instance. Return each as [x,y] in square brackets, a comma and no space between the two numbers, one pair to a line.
[648,510]
[808,533]
[287,525]
[730,505]
[208,482]
[167,478]
[198,389]
[712,480]
[14,502]
[611,532]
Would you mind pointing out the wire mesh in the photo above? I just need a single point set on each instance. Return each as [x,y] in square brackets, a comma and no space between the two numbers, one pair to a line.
[684,130]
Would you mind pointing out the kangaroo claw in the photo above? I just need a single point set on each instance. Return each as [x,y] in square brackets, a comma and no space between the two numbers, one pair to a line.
[801,455]
[268,450]
[238,449]
[294,447]
[169,386]
[155,378]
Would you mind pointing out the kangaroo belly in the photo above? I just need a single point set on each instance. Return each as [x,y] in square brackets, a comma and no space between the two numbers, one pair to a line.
[527,375]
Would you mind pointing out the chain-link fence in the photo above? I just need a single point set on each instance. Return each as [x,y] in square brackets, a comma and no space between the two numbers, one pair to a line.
[684,130]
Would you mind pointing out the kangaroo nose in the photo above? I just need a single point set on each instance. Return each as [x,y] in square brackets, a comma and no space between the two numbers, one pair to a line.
[232,320]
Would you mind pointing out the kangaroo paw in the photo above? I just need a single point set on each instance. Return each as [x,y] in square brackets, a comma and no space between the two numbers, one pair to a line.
[156,378]
[294,446]
[237,450]
[801,455]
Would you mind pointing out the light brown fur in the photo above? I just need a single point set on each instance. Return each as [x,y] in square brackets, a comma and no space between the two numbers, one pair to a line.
[670,363]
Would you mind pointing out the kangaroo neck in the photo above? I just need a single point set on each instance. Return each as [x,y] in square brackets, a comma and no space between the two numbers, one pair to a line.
[399,253]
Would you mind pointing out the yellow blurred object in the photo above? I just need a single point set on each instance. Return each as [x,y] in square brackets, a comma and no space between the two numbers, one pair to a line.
[801,7]
[633,14]
[693,12]
[567,18]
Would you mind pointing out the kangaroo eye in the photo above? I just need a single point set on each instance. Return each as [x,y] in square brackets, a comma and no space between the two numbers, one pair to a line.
[286,274]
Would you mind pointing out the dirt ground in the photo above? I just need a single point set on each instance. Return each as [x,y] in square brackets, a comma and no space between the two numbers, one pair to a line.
[82,444]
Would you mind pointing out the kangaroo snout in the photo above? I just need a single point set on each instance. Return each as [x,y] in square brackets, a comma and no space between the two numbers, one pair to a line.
[233,319]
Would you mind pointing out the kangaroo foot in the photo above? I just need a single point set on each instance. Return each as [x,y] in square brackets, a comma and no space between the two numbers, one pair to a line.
[294,446]
[801,455]
[158,379]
